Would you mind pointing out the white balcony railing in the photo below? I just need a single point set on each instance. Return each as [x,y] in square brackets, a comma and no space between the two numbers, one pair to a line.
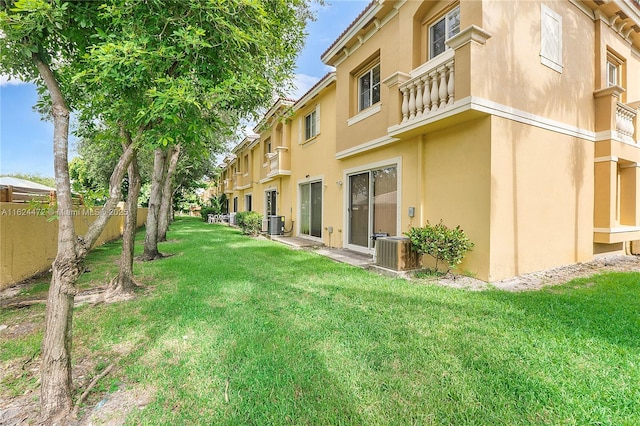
[272,163]
[625,118]
[275,162]
[431,88]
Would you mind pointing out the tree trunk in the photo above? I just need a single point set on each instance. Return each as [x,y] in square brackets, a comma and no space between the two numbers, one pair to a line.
[122,286]
[151,232]
[55,390]
[167,194]
[55,372]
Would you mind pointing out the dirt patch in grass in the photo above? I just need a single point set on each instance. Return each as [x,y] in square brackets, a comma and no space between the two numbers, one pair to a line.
[104,405]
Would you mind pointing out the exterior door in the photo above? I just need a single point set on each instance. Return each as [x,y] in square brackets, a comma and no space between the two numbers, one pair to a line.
[311,209]
[359,209]
[373,205]
[271,203]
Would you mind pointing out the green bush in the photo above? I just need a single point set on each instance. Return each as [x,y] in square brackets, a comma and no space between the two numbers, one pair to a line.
[206,211]
[442,243]
[249,222]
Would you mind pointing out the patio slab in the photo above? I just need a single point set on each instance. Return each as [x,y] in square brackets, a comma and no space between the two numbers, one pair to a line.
[338,254]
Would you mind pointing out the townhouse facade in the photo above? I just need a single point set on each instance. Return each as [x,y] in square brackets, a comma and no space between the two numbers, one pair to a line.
[516,120]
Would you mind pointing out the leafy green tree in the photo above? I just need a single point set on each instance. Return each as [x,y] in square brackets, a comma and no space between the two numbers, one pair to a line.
[44,41]
[162,72]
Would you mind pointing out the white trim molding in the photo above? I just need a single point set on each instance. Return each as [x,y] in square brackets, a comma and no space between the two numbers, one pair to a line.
[504,111]
[472,103]
[607,159]
[363,147]
[366,113]
[469,34]
[617,230]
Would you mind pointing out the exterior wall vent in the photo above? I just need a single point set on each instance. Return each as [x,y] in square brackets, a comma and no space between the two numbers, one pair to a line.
[395,253]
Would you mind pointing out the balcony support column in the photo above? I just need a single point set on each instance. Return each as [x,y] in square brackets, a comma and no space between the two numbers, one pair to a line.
[606,194]
[630,194]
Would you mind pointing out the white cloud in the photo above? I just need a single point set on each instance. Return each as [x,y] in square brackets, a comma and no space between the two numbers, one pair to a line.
[302,84]
[4,81]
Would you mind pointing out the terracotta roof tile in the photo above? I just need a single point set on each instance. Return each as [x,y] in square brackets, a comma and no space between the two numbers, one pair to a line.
[366,9]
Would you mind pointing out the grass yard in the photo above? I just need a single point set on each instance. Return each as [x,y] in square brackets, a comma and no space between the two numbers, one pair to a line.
[233,330]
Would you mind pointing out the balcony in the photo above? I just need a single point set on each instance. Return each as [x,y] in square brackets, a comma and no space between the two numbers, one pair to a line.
[277,163]
[626,119]
[617,168]
[429,99]
[430,89]
[227,186]
[616,125]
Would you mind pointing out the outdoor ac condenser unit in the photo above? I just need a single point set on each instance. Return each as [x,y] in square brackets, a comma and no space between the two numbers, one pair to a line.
[276,225]
[395,253]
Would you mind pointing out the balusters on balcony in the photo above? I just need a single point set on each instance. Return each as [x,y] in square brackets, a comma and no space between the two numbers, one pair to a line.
[429,91]
[625,117]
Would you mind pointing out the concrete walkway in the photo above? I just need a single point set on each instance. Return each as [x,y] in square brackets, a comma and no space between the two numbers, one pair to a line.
[351,257]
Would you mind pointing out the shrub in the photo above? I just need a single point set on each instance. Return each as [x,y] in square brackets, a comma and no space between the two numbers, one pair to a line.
[442,243]
[249,222]
[206,211]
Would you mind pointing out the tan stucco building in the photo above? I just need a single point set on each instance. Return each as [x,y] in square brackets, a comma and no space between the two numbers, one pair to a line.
[517,120]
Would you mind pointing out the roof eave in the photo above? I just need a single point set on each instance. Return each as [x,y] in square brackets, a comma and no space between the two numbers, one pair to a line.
[315,90]
[365,18]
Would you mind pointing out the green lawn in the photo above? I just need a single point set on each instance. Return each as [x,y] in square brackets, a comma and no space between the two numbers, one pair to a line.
[233,330]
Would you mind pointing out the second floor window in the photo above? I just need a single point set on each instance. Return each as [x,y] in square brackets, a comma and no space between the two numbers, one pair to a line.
[369,88]
[310,126]
[442,30]
[615,72]
[267,146]
[612,74]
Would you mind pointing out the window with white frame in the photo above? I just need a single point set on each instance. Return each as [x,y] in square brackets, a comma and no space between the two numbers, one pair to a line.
[612,74]
[614,67]
[310,129]
[550,39]
[442,30]
[369,88]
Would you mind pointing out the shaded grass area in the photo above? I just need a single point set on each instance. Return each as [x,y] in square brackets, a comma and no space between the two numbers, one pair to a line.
[233,330]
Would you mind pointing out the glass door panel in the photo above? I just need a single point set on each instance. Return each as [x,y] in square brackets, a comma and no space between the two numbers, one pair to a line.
[271,203]
[316,209]
[385,200]
[359,209]
[305,209]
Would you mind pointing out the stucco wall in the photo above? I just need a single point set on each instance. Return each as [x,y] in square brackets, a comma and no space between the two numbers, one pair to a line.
[29,242]
[541,199]
[457,181]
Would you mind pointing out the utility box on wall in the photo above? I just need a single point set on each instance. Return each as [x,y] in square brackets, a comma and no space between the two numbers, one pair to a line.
[395,253]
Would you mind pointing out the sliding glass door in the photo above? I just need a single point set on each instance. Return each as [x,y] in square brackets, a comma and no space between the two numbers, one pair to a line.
[373,205]
[311,209]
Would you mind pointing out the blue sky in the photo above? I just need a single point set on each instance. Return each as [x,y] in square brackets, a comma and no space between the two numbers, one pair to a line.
[26,142]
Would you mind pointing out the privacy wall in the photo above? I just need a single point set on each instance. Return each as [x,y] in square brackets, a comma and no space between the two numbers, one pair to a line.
[28,240]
